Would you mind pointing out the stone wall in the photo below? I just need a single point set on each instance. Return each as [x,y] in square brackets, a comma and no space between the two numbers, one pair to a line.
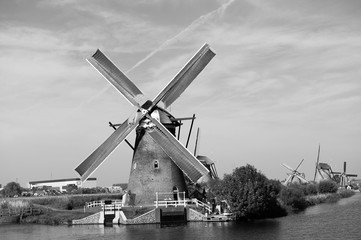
[96,218]
[146,218]
[194,216]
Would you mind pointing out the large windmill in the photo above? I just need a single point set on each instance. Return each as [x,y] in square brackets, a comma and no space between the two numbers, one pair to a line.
[344,177]
[295,175]
[323,171]
[159,161]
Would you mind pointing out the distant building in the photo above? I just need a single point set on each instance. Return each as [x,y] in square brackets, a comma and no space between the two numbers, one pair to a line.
[62,184]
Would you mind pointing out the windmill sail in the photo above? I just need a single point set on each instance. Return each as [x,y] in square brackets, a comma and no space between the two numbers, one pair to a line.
[117,78]
[185,160]
[318,159]
[91,163]
[344,177]
[294,174]
[185,77]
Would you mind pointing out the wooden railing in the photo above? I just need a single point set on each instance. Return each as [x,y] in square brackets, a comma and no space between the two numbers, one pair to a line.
[114,204]
[182,202]
[111,208]
[201,204]
[166,203]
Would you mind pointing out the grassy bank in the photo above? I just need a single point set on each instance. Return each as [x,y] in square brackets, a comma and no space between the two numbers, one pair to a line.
[55,217]
[54,210]
[70,202]
[328,197]
[299,203]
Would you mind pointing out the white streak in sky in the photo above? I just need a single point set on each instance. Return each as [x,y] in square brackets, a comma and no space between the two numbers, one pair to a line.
[195,24]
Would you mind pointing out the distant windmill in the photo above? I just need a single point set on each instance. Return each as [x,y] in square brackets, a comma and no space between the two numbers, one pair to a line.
[295,175]
[160,161]
[323,171]
[344,177]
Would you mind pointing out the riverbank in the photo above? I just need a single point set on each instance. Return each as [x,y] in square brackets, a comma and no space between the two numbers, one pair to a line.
[53,211]
[302,203]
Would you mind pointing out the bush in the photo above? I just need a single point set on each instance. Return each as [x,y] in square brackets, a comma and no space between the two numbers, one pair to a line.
[294,197]
[311,189]
[332,198]
[327,186]
[250,194]
[346,193]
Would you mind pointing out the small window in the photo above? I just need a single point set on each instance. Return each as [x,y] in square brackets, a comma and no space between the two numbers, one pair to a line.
[156,164]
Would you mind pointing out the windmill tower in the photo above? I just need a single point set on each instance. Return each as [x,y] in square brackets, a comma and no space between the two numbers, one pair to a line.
[344,177]
[295,175]
[159,161]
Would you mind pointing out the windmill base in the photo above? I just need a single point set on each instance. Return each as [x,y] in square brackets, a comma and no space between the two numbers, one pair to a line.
[146,215]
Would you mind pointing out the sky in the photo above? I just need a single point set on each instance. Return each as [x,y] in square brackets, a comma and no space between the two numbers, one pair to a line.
[286,77]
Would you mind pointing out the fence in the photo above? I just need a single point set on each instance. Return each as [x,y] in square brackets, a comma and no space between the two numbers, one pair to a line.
[113,204]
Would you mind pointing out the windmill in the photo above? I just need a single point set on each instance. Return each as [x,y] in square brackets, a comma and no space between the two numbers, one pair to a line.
[159,161]
[323,171]
[344,177]
[295,175]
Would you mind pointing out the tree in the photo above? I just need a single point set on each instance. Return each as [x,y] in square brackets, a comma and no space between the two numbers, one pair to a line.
[11,189]
[250,194]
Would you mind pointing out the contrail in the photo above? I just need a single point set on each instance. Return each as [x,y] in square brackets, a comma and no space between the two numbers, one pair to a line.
[195,24]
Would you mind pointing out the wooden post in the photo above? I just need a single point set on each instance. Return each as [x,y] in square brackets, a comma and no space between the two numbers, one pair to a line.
[156,199]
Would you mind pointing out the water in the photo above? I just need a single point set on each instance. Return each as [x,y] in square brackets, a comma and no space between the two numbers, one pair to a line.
[324,221]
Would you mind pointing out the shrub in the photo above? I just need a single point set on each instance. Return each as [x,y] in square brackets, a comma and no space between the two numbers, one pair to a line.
[311,189]
[327,186]
[346,193]
[332,198]
[250,194]
[293,197]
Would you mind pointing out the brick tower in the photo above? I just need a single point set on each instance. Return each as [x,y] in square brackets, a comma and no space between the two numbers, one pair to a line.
[152,170]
